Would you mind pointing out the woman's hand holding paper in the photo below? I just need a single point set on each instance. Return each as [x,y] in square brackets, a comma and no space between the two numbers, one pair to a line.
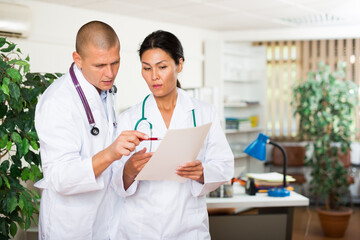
[134,165]
[193,170]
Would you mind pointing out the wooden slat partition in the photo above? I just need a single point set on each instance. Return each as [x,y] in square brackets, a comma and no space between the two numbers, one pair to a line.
[349,50]
[331,59]
[298,74]
[323,52]
[281,86]
[357,81]
[305,59]
[287,70]
[340,50]
[289,85]
[272,84]
[314,55]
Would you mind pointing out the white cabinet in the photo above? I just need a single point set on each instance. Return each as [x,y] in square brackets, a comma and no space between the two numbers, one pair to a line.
[238,70]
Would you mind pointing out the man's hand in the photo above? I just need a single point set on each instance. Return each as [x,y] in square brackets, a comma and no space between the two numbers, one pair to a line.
[122,146]
[126,143]
[193,170]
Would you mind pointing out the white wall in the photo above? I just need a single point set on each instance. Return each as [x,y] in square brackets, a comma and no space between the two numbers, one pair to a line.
[52,41]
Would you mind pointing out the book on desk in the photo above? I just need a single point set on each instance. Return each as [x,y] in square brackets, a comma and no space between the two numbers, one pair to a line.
[264,181]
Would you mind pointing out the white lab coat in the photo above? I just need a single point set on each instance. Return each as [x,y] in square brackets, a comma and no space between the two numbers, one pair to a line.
[168,209]
[74,204]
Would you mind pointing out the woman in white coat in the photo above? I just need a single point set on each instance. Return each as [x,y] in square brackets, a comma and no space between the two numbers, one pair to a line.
[168,209]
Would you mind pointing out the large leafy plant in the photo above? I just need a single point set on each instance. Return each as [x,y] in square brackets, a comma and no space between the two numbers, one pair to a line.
[325,104]
[19,156]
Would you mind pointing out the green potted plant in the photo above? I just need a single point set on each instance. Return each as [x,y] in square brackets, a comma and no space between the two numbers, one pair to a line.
[19,155]
[325,103]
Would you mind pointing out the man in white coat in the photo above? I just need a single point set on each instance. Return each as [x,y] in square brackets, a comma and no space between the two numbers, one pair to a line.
[76,200]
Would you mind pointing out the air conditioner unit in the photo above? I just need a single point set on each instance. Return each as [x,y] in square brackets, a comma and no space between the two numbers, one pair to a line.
[15,20]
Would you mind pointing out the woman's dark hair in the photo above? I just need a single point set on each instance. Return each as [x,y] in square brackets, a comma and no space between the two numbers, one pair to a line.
[166,41]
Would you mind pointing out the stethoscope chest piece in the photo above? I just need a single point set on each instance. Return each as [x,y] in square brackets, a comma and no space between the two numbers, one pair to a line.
[95,131]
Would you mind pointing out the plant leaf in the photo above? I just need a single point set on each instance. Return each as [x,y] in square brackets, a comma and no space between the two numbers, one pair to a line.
[5,89]
[33,135]
[6,81]
[31,176]
[2,41]
[3,110]
[21,203]
[12,204]
[9,145]
[16,137]
[34,145]
[14,90]
[26,68]
[21,63]
[6,181]
[14,74]
[27,223]
[5,165]
[13,229]
[25,174]
[3,141]
[25,146]
[9,48]
[2,95]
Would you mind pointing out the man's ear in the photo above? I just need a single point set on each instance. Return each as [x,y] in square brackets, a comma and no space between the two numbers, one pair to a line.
[77,59]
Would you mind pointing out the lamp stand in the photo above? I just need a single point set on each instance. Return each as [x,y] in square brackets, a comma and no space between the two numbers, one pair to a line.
[280,192]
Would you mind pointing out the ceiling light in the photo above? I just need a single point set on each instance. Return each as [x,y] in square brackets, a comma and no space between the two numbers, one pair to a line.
[316,19]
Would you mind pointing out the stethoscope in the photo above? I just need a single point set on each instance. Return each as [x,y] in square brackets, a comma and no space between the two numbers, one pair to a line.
[143,118]
[94,130]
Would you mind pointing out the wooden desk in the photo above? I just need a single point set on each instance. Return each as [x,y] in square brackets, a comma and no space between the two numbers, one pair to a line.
[273,220]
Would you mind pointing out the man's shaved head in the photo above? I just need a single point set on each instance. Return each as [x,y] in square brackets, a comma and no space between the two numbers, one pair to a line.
[97,34]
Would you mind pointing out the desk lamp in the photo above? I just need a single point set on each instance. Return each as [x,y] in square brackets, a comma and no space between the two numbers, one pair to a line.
[257,149]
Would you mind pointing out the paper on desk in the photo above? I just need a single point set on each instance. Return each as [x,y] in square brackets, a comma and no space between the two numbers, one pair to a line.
[270,177]
[177,147]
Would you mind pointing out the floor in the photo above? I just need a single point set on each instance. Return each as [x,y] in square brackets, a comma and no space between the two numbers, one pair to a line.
[307,226]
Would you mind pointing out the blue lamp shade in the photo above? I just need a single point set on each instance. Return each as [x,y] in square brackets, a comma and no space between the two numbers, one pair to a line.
[257,148]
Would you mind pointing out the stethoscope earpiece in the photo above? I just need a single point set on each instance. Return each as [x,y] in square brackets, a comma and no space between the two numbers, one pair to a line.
[113,89]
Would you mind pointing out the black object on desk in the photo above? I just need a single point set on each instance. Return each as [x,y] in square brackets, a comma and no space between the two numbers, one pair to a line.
[250,187]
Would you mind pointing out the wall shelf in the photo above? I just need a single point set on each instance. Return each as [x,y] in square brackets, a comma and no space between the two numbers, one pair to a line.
[238,70]
[241,156]
[241,81]
[249,130]
[241,105]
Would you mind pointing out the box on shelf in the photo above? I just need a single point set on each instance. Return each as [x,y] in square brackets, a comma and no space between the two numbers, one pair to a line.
[254,120]
[244,123]
[241,123]
[231,123]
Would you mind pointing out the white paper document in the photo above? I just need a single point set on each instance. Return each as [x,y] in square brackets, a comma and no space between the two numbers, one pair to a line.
[178,146]
[270,177]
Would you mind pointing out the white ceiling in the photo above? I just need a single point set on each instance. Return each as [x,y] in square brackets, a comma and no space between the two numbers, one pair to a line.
[231,15]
